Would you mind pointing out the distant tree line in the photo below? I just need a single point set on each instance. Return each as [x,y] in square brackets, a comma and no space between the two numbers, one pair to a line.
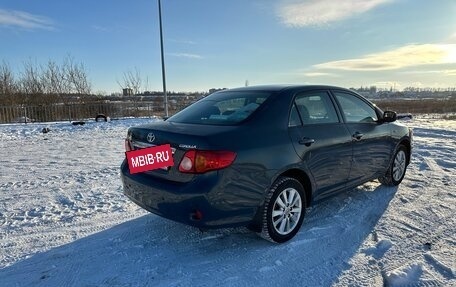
[429,90]
[41,84]
[374,90]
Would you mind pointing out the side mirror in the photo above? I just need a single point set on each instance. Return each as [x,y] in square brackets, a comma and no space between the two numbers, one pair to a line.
[389,116]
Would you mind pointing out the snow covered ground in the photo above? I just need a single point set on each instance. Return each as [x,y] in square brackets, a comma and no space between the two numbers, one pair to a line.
[65,222]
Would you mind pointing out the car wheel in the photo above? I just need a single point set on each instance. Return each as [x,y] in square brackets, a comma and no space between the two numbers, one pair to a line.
[283,210]
[101,118]
[396,172]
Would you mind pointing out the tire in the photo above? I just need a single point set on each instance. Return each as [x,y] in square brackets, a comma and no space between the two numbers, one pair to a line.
[396,171]
[101,118]
[283,211]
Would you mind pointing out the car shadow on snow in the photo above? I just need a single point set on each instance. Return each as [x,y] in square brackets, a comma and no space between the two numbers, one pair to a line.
[151,251]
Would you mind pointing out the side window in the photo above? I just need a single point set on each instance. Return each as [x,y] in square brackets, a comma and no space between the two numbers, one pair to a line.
[315,108]
[294,117]
[356,110]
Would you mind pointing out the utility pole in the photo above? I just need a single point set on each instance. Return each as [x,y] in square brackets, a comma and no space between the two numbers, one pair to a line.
[162,59]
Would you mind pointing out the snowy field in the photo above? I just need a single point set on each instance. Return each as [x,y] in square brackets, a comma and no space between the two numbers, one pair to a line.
[65,222]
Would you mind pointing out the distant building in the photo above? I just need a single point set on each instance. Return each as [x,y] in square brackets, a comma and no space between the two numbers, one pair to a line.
[216,90]
[127,92]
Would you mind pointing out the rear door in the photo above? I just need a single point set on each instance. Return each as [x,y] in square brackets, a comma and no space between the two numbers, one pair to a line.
[321,140]
[371,139]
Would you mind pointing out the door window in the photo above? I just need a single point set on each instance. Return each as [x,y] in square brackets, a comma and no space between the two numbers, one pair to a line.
[314,108]
[355,109]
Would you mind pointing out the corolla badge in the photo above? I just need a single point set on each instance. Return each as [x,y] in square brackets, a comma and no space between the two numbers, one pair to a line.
[150,137]
[187,146]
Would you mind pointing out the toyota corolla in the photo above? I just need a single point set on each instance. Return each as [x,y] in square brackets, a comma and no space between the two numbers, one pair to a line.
[259,156]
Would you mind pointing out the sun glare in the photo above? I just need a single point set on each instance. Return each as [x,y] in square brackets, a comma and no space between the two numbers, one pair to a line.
[450,53]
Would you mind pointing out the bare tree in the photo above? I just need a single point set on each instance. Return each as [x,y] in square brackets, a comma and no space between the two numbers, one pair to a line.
[7,81]
[76,77]
[53,79]
[8,85]
[44,84]
[131,80]
[30,82]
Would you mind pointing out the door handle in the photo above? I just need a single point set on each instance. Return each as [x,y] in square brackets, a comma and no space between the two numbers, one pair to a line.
[306,141]
[357,135]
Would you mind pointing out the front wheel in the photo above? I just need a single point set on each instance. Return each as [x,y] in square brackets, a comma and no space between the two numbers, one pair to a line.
[396,172]
[284,210]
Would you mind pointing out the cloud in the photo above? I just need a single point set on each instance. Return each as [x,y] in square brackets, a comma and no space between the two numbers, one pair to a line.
[322,12]
[186,42]
[452,38]
[319,74]
[185,55]
[100,28]
[406,56]
[449,72]
[21,19]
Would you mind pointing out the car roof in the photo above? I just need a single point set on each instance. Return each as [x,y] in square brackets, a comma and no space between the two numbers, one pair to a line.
[280,88]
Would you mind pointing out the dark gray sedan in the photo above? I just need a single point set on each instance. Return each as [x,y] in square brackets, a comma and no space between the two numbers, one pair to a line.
[258,156]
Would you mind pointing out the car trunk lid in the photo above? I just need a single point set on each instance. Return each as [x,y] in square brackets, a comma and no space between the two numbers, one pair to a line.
[181,137]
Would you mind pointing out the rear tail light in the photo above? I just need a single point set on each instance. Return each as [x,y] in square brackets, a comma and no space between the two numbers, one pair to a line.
[198,161]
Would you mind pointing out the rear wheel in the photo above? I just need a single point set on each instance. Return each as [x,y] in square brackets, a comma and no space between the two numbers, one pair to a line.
[396,172]
[284,210]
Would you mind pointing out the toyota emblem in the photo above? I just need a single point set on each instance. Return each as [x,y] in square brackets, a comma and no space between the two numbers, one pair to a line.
[150,137]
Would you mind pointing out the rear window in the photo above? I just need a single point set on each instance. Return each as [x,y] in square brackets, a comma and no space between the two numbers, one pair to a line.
[223,108]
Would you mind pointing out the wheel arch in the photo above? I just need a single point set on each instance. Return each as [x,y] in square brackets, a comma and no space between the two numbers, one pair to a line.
[304,179]
[408,145]
[295,173]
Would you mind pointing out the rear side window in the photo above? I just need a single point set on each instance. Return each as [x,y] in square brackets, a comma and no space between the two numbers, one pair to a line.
[314,108]
[295,120]
[223,108]
[355,109]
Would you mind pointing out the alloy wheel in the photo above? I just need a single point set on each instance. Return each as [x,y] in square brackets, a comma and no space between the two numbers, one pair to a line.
[399,165]
[286,211]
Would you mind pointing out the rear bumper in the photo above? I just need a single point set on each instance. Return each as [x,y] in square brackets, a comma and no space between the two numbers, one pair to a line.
[206,193]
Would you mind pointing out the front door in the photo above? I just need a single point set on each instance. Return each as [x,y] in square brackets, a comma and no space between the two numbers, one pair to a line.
[371,140]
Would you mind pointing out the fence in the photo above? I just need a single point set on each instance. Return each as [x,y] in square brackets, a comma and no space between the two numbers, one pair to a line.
[74,112]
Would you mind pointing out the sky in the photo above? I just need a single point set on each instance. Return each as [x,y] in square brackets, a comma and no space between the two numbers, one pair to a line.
[224,44]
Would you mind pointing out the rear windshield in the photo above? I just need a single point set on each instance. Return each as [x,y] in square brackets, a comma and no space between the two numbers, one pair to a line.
[223,108]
